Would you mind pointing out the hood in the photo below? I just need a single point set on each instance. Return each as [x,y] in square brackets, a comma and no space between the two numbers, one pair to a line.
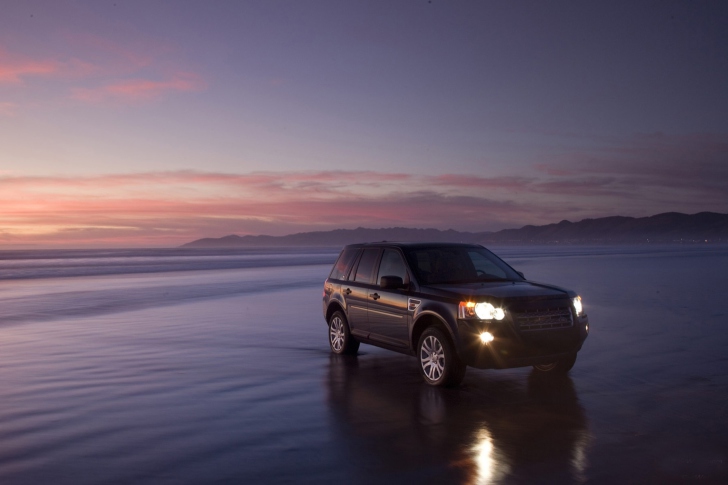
[499,290]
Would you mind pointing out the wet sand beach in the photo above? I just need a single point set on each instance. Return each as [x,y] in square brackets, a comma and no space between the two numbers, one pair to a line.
[225,376]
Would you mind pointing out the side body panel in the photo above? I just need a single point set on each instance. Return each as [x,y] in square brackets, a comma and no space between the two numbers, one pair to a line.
[389,317]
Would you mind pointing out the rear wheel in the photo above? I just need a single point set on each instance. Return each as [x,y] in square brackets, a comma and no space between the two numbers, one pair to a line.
[439,362]
[340,339]
[561,366]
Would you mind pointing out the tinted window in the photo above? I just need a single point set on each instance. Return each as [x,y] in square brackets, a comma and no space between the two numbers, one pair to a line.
[342,264]
[453,264]
[484,267]
[392,265]
[365,270]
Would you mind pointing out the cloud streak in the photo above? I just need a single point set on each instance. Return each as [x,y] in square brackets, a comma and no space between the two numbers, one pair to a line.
[140,89]
[169,208]
[101,71]
[14,68]
[648,170]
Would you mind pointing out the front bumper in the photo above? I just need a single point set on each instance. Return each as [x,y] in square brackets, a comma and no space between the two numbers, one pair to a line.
[510,348]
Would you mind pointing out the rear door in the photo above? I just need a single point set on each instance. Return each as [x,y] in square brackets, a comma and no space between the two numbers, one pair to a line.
[356,291]
[388,314]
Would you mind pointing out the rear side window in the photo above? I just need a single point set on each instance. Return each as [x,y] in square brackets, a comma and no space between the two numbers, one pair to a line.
[366,266]
[341,268]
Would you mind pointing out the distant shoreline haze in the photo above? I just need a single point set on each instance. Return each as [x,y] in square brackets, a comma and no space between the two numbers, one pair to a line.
[669,227]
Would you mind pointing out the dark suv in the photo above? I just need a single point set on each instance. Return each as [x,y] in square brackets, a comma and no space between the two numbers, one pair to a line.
[450,305]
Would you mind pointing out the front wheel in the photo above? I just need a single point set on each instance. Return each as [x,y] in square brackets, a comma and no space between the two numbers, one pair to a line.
[340,339]
[439,363]
[561,366]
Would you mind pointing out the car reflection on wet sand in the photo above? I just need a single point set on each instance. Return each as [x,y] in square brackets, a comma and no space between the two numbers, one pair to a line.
[499,426]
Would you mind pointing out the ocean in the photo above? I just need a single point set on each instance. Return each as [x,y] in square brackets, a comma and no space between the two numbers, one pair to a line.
[194,366]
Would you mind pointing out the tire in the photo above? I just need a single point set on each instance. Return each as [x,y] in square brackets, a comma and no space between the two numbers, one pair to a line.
[561,366]
[340,339]
[439,363]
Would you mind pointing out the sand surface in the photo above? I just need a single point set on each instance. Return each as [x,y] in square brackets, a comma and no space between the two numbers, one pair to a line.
[225,376]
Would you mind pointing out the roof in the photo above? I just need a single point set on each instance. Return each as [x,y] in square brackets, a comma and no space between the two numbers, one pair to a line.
[413,245]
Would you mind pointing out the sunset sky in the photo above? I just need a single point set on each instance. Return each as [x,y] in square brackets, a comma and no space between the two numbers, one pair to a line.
[153,123]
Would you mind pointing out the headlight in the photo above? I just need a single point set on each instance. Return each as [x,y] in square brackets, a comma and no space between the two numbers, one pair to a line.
[577,306]
[484,311]
[486,337]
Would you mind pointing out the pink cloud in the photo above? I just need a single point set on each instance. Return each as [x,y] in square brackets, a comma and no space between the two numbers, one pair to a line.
[490,183]
[13,68]
[117,58]
[140,89]
[549,170]
[104,71]
[174,207]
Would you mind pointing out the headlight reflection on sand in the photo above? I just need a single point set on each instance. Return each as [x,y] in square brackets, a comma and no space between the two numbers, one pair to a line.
[579,461]
[490,464]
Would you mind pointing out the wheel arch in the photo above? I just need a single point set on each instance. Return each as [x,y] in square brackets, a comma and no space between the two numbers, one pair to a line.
[425,320]
[333,307]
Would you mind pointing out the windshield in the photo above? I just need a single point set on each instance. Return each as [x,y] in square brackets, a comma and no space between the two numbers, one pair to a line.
[458,264]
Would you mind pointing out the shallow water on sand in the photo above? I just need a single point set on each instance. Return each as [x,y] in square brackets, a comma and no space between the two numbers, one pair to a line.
[200,374]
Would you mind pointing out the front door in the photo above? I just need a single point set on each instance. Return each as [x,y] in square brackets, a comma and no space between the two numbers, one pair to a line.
[388,314]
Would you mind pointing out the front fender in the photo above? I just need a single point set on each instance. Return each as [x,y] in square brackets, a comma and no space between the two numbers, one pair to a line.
[444,313]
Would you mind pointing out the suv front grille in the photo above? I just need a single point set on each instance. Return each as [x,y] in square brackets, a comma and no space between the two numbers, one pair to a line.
[545,319]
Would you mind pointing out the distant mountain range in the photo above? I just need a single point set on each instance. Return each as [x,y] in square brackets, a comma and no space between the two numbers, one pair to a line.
[670,227]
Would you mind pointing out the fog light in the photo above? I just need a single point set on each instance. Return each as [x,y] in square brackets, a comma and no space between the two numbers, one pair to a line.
[486,337]
[586,327]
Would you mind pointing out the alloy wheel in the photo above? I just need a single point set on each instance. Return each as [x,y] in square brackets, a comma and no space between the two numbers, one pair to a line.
[432,358]
[336,334]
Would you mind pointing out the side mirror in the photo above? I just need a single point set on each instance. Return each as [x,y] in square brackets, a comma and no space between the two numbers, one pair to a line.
[521,275]
[391,282]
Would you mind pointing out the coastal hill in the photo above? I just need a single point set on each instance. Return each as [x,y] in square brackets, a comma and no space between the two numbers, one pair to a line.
[670,227]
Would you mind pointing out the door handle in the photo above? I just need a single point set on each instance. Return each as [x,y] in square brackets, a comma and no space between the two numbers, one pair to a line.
[347,291]
[375,296]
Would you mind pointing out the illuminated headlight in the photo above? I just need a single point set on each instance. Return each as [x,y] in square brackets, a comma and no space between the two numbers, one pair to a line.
[577,306]
[484,311]
[486,337]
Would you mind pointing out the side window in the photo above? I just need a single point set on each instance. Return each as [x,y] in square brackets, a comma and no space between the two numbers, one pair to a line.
[392,265]
[365,270]
[423,261]
[342,264]
[484,266]
[420,263]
